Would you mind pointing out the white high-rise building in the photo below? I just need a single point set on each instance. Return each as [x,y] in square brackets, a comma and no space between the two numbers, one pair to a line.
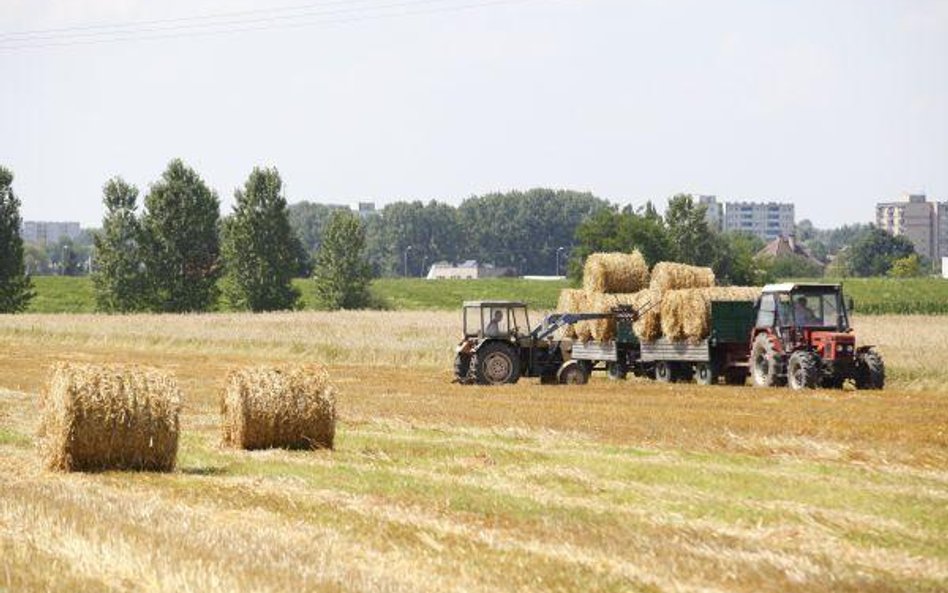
[714,213]
[923,223]
[767,220]
[46,233]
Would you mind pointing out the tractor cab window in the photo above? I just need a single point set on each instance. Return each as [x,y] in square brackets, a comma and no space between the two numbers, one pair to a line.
[784,310]
[816,309]
[496,321]
[766,314]
[520,323]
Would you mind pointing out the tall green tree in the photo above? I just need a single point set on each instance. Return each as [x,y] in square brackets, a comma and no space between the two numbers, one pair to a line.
[874,253]
[625,231]
[259,249]
[16,288]
[118,276]
[180,242]
[688,228]
[431,231]
[341,272]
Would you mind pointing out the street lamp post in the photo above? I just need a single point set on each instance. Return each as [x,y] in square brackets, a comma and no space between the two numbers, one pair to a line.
[407,251]
[559,250]
[424,265]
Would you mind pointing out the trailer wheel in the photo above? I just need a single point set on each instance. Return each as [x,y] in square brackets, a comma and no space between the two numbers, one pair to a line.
[704,374]
[663,372]
[764,362]
[495,363]
[803,370]
[870,370]
[616,371]
[573,373]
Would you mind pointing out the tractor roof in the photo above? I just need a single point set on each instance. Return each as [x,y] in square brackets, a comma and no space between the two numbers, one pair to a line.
[792,286]
[494,304]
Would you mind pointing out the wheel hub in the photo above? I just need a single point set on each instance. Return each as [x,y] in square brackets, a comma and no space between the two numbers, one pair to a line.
[497,367]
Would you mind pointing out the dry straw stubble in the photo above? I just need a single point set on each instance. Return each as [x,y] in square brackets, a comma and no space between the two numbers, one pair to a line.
[615,272]
[290,407]
[108,416]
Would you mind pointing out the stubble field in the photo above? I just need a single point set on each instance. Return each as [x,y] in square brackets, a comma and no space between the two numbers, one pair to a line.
[628,486]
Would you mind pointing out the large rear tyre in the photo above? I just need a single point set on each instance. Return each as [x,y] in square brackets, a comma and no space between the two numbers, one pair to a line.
[870,370]
[496,363]
[573,373]
[765,363]
[803,370]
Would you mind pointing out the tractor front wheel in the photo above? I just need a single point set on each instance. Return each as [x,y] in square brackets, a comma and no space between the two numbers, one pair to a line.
[496,363]
[616,371]
[803,370]
[870,370]
[573,373]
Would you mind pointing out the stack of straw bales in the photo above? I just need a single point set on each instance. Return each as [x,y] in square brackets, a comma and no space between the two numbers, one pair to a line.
[686,313]
[291,407]
[103,417]
[571,301]
[672,276]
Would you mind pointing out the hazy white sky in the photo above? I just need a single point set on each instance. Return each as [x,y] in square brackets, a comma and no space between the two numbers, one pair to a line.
[833,105]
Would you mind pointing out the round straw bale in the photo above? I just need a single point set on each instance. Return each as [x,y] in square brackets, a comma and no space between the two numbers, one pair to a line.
[571,301]
[674,276]
[290,407]
[109,416]
[615,272]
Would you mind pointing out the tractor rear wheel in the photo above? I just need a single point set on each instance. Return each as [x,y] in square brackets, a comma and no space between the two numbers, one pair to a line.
[803,370]
[462,367]
[573,373]
[765,365]
[870,370]
[496,363]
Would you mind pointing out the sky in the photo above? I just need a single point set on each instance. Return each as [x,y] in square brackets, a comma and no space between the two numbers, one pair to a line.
[833,106]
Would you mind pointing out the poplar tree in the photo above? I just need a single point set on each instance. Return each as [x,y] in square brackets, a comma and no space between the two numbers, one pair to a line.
[341,272]
[118,275]
[16,288]
[260,250]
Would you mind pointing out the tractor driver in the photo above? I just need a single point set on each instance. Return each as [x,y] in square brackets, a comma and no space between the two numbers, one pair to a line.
[802,313]
[493,328]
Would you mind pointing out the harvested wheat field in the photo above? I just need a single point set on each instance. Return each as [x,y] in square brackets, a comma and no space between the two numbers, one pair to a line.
[612,486]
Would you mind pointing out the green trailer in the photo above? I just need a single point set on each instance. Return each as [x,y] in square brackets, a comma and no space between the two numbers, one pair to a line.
[724,354]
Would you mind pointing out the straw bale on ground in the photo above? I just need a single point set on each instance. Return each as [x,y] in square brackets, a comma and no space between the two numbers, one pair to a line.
[291,407]
[686,313]
[674,276]
[615,272]
[108,416]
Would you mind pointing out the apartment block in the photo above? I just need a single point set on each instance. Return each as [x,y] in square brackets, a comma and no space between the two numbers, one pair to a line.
[714,212]
[914,218]
[767,220]
[46,233]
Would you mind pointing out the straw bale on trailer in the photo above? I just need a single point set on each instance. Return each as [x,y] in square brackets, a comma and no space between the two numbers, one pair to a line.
[108,416]
[674,276]
[615,272]
[571,301]
[290,407]
[649,326]
[686,313]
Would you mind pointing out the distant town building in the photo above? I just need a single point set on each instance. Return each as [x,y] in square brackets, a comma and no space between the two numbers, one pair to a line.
[367,209]
[714,213]
[45,233]
[784,246]
[916,219]
[468,270]
[767,220]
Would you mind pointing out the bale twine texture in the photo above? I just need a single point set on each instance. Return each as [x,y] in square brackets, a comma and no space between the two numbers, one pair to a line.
[109,417]
[615,272]
[674,276]
[290,407]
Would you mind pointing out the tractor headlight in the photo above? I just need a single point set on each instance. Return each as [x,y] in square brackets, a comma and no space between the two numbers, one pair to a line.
[849,348]
[839,347]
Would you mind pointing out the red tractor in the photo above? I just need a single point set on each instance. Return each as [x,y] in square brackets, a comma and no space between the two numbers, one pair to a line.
[802,338]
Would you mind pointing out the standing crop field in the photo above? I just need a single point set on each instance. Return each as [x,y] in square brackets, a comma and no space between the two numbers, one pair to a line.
[431,486]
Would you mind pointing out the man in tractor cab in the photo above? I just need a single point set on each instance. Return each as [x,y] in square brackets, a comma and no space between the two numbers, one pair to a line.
[493,328]
[802,313]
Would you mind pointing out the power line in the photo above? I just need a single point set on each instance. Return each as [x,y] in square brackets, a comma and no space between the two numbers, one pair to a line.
[386,10]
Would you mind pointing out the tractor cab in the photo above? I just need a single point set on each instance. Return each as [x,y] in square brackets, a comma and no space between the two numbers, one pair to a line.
[802,337]
[496,320]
